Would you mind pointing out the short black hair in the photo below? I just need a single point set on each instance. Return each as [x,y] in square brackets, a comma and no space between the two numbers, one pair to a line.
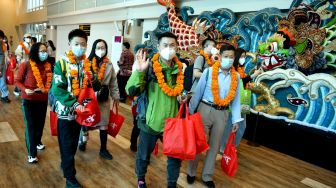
[227,47]
[77,33]
[34,52]
[206,40]
[93,51]
[166,34]
[34,39]
[2,34]
[127,45]
[238,53]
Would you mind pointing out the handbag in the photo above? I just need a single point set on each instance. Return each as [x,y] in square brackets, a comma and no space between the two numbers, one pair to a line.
[91,114]
[200,136]
[53,123]
[115,122]
[179,136]
[229,161]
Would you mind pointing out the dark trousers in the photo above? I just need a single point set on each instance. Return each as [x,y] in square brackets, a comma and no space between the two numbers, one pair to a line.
[34,113]
[122,81]
[145,148]
[68,135]
[135,133]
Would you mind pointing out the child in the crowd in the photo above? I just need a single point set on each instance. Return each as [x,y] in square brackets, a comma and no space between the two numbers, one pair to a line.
[71,73]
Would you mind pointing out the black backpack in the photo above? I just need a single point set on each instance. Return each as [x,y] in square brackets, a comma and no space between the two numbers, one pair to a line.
[188,76]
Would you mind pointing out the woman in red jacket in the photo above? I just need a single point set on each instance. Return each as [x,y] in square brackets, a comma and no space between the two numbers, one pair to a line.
[34,79]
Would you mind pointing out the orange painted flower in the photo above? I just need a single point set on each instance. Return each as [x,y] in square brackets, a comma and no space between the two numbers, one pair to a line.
[37,75]
[215,86]
[172,92]
[24,48]
[208,60]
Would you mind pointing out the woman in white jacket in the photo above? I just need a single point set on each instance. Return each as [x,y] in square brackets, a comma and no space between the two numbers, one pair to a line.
[107,76]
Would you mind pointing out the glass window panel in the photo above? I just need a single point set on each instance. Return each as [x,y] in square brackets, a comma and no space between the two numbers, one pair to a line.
[52,9]
[85,4]
[108,2]
[67,6]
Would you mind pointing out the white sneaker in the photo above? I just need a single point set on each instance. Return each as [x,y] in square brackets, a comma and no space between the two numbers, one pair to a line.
[16,93]
[40,147]
[32,159]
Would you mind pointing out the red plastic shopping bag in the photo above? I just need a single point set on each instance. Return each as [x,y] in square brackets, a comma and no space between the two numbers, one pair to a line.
[91,114]
[156,150]
[10,75]
[200,137]
[179,136]
[12,62]
[53,123]
[116,121]
[229,161]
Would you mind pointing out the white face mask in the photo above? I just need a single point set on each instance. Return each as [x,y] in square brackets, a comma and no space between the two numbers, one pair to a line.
[100,53]
[167,54]
[242,60]
[214,51]
[226,63]
[27,40]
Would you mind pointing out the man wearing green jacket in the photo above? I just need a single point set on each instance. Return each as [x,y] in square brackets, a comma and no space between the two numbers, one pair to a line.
[67,82]
[162,104]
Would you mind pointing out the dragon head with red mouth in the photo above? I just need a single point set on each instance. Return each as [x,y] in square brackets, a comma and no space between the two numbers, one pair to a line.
[272,52]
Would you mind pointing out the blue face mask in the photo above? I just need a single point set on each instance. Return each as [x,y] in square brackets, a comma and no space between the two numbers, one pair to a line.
[78,51]
[226,63]
[43,56]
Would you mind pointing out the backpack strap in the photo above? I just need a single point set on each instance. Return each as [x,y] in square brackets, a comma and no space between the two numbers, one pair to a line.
[64,67]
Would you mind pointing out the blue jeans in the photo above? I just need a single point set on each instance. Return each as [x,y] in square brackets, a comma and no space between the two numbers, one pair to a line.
[3,85]
[145,148]
[239,133]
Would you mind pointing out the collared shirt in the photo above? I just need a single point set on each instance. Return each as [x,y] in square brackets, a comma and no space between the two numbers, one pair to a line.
[203,92]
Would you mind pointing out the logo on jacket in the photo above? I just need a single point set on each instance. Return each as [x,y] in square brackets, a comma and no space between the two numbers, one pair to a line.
[58,78]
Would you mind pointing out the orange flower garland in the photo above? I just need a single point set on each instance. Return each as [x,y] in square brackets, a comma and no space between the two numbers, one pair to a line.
[74,73]
[215,86]
[4,47]
[172,92]
[241,72]
[208,60]
[36,72]
[24,48]
[102,68]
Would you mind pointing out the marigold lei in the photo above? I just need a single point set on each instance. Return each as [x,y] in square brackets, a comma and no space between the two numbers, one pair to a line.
[215,86]
[101,69]
[74,73]
[157,68]
[208,60]
[36,72]
[241,72]
[24,48]
[4,47]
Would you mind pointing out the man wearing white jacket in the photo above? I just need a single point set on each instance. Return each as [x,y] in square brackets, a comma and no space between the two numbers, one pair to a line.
[22,54]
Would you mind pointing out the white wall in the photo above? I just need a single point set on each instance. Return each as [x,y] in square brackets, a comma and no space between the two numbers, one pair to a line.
[148,25]
[148,9]
[98,31]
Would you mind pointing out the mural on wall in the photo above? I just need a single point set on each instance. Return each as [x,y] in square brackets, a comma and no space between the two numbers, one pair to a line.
[296,49]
